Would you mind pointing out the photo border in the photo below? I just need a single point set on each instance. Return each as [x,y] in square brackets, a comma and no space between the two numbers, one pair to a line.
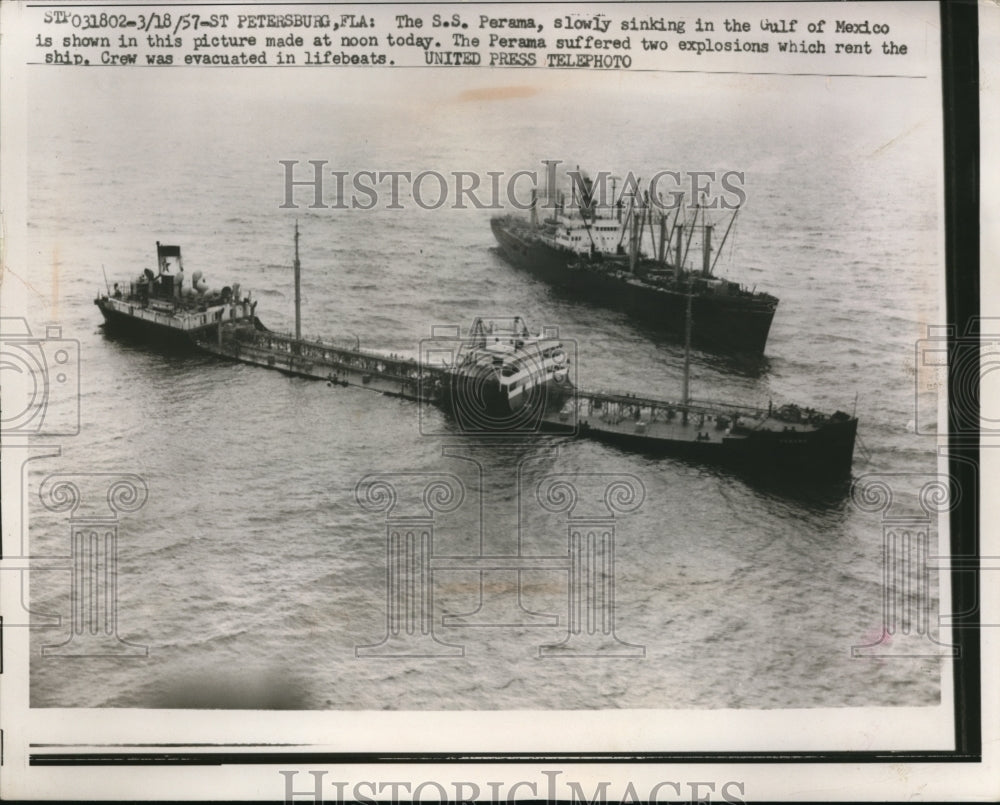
[960,102]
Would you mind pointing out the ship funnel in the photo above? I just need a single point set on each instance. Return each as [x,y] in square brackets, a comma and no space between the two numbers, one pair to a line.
[168,258]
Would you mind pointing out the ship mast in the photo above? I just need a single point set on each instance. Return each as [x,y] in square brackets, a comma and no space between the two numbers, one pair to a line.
[648,217]
[661,255]
[640,229]
[694,224]
[583,213]
[679,258]
[706,257]
[298,290]
[718,252]
[633,246]
[685,389]
[627,222]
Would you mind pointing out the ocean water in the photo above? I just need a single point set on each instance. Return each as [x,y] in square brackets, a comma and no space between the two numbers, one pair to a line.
[252,574]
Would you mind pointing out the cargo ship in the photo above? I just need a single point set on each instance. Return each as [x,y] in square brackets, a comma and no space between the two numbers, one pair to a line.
[501,378]
[601,259]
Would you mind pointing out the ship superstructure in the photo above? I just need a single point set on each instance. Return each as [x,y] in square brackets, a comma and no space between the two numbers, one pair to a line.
[169,308]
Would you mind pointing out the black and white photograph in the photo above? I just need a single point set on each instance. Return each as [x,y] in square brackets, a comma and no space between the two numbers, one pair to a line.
[390,387]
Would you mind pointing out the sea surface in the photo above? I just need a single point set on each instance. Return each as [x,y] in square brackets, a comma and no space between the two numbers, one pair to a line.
[252,575]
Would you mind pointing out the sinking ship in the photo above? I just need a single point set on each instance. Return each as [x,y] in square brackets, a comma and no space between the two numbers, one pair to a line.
[604,259]
[498,378]
[169,309]
[510,380]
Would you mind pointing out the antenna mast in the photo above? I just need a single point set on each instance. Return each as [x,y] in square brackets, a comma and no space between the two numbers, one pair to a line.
[298,289]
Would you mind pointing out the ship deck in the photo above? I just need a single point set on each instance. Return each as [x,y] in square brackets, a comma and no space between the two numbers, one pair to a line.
[313,358]
[646,419]
[652,420]
[802,439]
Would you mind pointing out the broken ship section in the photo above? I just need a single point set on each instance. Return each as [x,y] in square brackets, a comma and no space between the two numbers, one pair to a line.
[788,440]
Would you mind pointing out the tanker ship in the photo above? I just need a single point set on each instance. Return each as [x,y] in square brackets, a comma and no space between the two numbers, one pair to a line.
[500,378]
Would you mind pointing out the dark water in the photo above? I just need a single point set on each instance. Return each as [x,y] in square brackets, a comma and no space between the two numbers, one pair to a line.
[252,574]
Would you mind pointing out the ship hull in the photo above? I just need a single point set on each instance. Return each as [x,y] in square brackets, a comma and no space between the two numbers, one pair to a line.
[156,333]
[160,335]
[823,454]
[481,405]
[725,323]
[478,405]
